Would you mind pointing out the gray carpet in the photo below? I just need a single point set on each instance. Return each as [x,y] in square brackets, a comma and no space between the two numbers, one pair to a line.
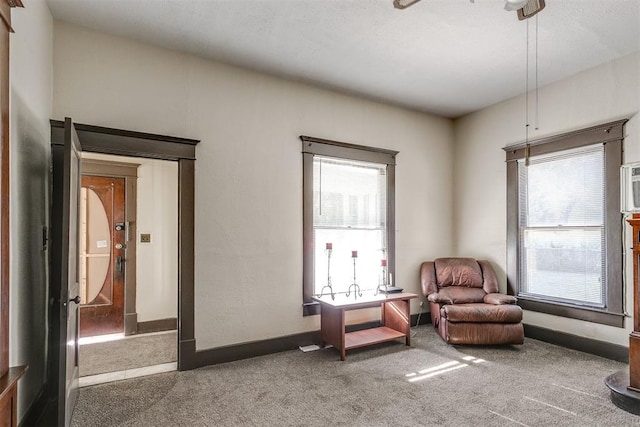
[537,384]
[135,351]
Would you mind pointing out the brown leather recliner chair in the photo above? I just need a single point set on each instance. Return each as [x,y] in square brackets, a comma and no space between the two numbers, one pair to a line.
[466,307]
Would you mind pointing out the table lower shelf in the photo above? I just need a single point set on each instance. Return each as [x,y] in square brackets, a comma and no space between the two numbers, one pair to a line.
[370,336]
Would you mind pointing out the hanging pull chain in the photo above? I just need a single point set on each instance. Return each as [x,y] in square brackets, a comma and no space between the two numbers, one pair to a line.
[537,123]
[526,97]
[320,188]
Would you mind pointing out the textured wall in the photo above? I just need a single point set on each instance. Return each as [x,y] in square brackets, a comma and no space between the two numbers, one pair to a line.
[249,169]
[31,102]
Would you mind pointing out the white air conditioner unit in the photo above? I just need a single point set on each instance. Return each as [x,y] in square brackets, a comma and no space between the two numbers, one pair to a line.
[630,188]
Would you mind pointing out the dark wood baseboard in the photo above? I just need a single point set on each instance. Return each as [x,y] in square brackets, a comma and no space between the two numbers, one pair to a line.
[255,348]
[247,350]
[416,319]
[575,342]
[159,325]
[420,318]
[360,326]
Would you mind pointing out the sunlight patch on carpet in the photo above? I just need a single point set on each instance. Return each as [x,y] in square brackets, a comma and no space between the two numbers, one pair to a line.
[441,369]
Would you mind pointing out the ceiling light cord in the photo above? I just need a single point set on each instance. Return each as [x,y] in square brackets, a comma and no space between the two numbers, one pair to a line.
[320,188]
[527,147]
[526,100]
[537,123]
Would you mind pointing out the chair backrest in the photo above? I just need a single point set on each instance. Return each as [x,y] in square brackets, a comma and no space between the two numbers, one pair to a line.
[458,272]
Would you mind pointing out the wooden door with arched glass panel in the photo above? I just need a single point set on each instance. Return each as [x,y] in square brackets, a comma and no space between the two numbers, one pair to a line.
[102,255]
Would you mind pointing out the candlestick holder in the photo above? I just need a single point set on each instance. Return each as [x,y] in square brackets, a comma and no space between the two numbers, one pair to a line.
[328,285]
[382,284]
[354,285]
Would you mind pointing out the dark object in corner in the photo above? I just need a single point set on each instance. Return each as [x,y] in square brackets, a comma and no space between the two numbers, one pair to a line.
[621,395]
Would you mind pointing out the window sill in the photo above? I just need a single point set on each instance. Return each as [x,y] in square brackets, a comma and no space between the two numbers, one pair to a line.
[573,312]
[310,308]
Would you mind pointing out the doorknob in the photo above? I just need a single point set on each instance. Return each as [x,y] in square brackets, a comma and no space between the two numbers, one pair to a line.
[76,299]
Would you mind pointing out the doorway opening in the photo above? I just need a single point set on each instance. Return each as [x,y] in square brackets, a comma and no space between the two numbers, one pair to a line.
[128,262]
[68,140]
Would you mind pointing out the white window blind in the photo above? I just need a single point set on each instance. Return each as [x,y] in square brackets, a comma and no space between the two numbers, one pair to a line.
[562,236]
[350,212]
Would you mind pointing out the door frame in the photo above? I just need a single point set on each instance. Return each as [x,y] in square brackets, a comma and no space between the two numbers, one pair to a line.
[128,172]
[104,140]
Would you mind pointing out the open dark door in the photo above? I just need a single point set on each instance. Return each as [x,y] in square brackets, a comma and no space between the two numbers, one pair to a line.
[64,276]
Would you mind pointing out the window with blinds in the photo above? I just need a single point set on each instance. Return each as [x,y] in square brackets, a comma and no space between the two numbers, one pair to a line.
[350,213]
[562,226]
[348,203]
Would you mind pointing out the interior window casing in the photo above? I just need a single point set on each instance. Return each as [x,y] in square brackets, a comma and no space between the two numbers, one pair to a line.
[321,148]
[611,310]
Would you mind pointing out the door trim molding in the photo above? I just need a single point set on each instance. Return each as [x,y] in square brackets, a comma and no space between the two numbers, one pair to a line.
[104,140]
[98,139]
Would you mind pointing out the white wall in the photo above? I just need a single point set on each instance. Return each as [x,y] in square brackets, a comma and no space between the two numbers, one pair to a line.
[157,214]
[31,76]
[249,169]
[596,96]
[157,273]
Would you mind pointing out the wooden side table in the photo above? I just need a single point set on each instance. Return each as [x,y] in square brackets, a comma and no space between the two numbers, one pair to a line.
[395,320]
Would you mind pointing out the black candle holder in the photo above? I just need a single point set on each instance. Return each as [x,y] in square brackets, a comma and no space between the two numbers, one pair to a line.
[382,284]
[328,285]
[354,285]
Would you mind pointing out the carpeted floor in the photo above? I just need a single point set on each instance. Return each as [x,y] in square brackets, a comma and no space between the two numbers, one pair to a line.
[537,384]
[134,351]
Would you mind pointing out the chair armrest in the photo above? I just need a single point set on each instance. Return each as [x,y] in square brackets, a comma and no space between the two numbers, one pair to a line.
[498,299]
[439,298]
[428,278]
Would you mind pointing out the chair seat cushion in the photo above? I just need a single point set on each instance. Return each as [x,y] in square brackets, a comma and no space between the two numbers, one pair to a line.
[480,312]
[457,295]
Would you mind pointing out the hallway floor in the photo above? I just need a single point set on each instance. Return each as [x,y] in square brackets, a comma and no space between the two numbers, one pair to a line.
[128,353]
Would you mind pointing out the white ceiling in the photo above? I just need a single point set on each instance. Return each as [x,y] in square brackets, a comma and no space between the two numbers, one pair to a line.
[448,57]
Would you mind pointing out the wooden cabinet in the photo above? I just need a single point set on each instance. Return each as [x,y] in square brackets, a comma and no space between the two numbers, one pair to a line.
[625,386]
[634,337]
[8,376]
[9,396]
